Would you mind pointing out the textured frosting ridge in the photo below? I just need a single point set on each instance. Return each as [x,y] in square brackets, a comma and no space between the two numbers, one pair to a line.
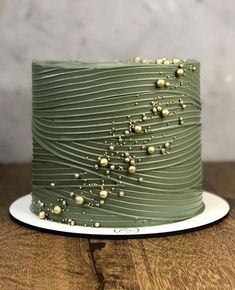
[116,144]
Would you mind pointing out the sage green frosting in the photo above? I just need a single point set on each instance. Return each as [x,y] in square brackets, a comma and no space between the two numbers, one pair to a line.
[81,109]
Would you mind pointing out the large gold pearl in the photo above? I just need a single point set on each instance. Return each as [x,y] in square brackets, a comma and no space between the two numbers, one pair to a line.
[151,149]
[165,113]
[79,199]
[131,169]
[104,162]
[179,72]
[103,193]
[57,209]
[42,215]
[160,83]
[138,129]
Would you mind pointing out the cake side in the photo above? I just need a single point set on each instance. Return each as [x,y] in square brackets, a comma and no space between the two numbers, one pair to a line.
[117,144]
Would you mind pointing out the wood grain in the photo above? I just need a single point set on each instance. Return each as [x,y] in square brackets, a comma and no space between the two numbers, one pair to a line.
[31,259]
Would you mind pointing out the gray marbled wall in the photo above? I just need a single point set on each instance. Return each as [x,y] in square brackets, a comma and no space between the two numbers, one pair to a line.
[90,30]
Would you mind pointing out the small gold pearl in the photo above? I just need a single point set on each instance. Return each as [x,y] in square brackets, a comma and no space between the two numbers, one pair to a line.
[127,154]
[175,61]
[41,204]
[151,149]
[97,225]
[127,132]
[145,61]
[121,193]
[137,59]
[72,223]
[112,167]
[104,162]
[138,129]
[79,199]
[71,194]
[111,148]
[154,109]
[57,209]
[160,83]
[159,108]
[103,193]
[42,215]
[52,184]
[183,106]
[167,62]
[179,72]
[158,61]
[194,68]
[132,162]
[165,113]
[76,175]
[163,151]
[141,179]
[167,145]
[167,84]
[127,159]
[132,169]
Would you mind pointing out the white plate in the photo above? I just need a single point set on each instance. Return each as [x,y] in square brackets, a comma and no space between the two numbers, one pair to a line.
[215,209]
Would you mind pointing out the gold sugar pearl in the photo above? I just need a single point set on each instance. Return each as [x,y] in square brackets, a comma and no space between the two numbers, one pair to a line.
[131,169]
[104,162]
[158,61]
[137,129]
[159,108]
[57,209]
[166,62]
[165,113]
[154,109]
[175,61]
[76,175]
[137,59]
[111,147]
[151,149]
[141,179]
[163,150]
[127,159]
[97,225]
[167,84]
[71,194]
[112,167]
[52,184]
[167,145]
[79,199]
[132,162]
[121,193]
[103,193]
[42,215]
[179,72]
[72,223]
[183,106]
[160,83]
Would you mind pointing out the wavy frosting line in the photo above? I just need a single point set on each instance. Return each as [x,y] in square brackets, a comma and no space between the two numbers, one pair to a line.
[80,111]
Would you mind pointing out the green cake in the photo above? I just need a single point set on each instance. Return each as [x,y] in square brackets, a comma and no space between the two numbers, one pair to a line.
[116,144]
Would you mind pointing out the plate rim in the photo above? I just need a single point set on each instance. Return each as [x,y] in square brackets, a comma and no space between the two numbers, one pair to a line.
[23,214]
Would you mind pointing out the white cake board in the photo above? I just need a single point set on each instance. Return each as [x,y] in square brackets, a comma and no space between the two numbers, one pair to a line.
[215,209]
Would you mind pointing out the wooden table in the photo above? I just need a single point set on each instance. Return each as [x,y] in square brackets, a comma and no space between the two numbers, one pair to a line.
[31,259]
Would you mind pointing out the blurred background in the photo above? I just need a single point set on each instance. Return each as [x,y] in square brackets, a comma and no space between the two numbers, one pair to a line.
[110,29]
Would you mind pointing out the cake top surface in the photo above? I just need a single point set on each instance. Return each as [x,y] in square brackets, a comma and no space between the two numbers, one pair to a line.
[73,64]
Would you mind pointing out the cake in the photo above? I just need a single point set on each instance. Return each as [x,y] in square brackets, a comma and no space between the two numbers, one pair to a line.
[116,144]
